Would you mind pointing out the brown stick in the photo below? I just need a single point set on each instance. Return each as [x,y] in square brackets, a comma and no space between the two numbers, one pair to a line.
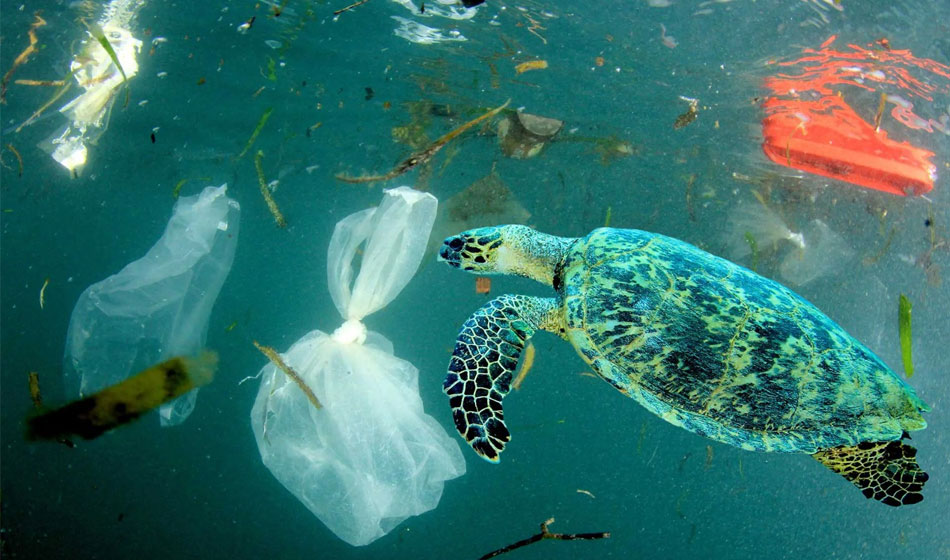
[19,159]
[350,7]
[23,56]
[545,534]
[274,357]
[425,155]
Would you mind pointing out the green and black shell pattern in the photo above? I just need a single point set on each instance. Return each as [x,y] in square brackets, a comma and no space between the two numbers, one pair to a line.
[714,348]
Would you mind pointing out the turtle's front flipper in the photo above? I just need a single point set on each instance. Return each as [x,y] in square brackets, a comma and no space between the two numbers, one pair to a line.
[485,357]
[884,470]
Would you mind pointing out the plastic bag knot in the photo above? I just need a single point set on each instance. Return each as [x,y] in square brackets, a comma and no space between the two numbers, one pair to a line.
[352,331]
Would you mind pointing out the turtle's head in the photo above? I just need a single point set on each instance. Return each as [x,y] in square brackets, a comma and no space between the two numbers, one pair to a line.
[510,249]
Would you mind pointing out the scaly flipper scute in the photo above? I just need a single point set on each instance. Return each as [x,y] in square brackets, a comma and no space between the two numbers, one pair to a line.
[884,470]
[485,357]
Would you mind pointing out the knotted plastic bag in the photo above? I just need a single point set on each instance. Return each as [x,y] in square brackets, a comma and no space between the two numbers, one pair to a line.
[158,306]
[371,456]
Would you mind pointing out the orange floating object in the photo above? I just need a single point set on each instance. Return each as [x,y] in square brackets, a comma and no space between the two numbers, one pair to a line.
[809,126]
[482,285]
[827,138]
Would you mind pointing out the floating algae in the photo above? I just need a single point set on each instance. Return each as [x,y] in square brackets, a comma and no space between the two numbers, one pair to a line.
[265,192]
[904,310]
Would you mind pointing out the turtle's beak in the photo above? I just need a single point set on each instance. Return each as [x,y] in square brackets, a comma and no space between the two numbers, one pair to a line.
[450,251]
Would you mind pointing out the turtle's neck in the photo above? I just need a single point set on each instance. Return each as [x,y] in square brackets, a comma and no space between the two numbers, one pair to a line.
[530,253]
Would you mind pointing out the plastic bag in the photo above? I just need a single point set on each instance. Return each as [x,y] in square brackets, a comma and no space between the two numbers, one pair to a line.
[371,456]
[158,306]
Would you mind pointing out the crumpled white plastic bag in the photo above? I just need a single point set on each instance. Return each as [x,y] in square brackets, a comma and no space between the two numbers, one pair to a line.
[371,456]
[158,306]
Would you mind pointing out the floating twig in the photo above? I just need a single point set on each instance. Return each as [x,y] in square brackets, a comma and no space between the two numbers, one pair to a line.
[19,159]
[67,83]
[274,357]
[265,192]
[26,82]
[545,534]
[23,56]
[426,154]
[350,7]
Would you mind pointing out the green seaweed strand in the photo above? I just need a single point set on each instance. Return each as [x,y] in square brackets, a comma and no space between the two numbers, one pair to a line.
[905,336]
[257,131]
[750,239]
[100,36]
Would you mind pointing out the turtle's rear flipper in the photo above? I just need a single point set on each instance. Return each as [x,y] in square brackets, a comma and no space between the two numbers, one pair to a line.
[884,470]
[486,354]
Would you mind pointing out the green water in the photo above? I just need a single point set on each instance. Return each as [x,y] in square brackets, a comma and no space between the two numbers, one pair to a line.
[199,490]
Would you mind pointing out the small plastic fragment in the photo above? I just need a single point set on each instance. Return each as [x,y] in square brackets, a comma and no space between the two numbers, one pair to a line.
[523,135]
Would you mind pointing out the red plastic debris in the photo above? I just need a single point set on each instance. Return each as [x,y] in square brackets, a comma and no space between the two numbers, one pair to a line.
[809,126]
[828,138]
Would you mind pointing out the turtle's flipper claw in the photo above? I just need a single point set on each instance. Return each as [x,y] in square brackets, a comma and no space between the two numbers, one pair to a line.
[486,354]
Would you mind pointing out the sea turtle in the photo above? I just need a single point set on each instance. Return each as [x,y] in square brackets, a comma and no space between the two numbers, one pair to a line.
[702,342]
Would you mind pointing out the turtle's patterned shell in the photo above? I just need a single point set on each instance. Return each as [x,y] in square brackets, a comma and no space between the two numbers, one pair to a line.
[714,348]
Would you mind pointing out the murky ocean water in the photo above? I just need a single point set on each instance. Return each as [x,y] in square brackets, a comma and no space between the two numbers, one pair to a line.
[357,94]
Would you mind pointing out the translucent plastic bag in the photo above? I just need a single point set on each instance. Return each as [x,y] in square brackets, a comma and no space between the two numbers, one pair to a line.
[371,456]
[158,306]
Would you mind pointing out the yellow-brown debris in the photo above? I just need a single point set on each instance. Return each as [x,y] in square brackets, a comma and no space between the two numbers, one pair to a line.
[531,65]
[274,357]
[92,416]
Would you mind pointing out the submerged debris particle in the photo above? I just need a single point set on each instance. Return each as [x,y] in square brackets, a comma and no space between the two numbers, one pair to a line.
[531,65]
[35,395]
[690,114]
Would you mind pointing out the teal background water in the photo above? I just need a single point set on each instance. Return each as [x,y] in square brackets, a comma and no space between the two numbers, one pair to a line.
[200,490]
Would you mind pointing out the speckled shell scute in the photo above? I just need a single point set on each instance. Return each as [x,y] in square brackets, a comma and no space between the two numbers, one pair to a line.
[719,350]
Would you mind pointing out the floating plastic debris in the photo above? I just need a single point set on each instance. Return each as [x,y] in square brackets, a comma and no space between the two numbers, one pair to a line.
[810,126]
[422,34]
